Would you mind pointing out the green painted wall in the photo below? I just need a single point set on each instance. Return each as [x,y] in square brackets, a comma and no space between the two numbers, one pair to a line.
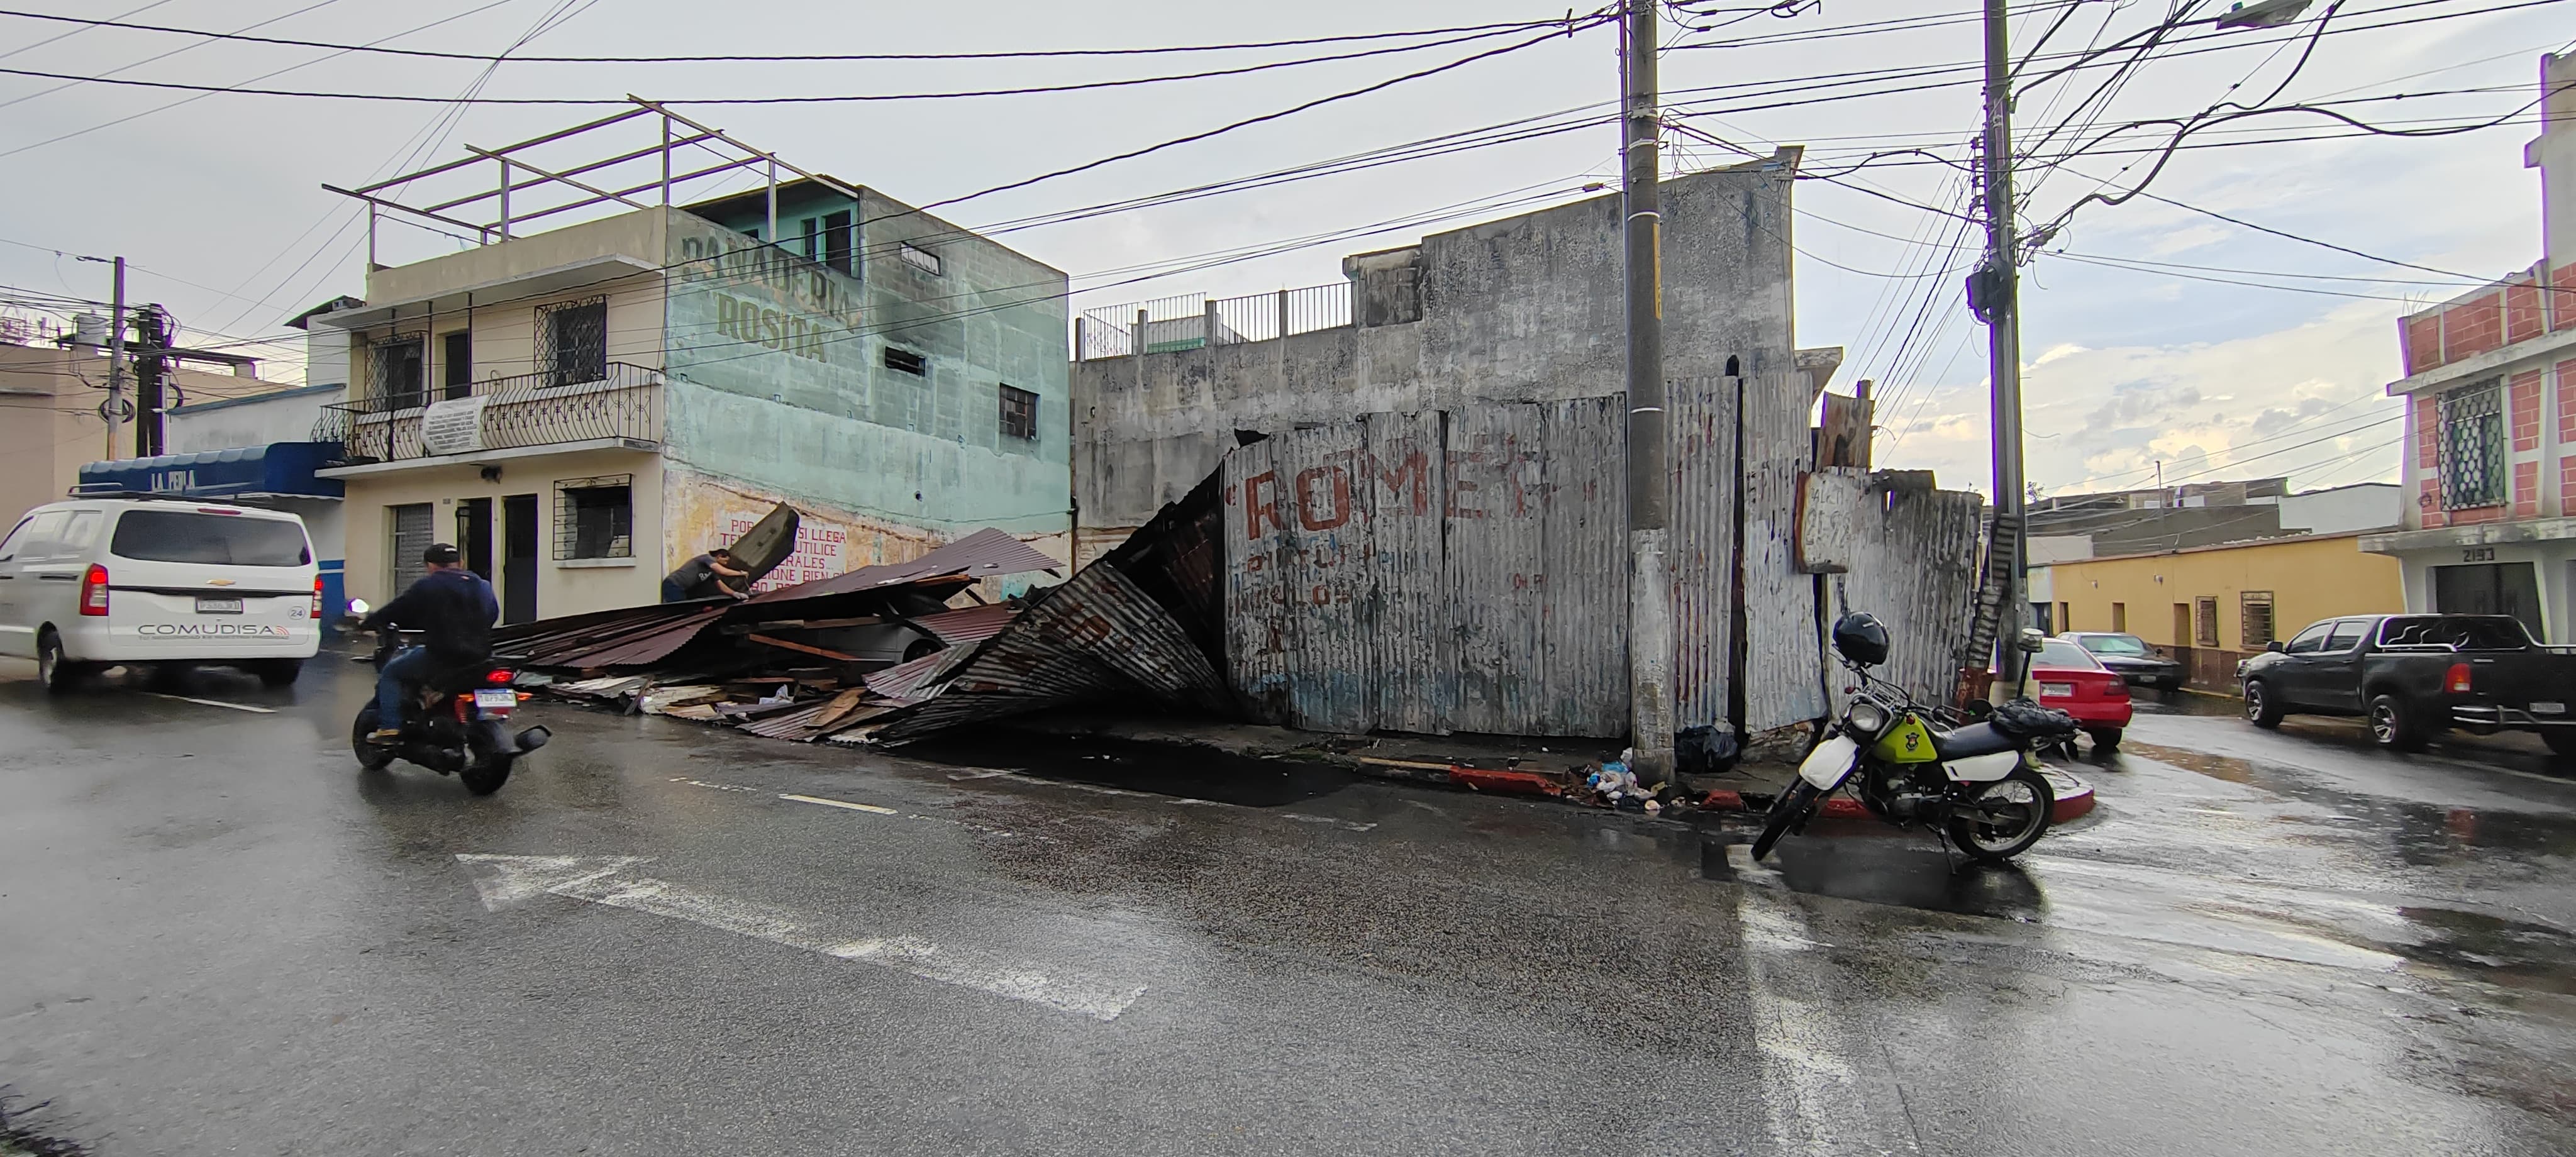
[777,373]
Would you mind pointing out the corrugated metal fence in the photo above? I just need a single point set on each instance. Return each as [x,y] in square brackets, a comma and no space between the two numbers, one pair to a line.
[1466,570]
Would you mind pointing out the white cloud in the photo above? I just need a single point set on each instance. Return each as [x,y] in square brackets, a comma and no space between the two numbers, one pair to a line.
[2307,401]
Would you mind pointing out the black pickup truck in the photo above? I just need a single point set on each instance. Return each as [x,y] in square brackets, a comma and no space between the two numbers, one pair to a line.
[2415,675]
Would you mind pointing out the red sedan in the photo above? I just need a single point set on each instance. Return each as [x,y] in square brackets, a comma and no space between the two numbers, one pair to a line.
[2071,680]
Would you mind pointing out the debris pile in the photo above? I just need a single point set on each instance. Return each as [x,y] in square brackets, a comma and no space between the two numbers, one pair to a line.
[792,663]
[879,655]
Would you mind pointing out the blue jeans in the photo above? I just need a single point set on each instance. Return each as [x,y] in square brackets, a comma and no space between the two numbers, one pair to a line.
[407,665]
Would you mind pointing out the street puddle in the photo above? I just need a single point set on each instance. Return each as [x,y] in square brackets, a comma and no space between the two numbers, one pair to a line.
[1143,768]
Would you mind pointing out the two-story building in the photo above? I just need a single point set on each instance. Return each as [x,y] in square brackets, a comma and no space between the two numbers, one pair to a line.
[2490,456]
[581,409]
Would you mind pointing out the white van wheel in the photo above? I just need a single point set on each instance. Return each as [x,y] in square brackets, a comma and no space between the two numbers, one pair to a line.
[58,674]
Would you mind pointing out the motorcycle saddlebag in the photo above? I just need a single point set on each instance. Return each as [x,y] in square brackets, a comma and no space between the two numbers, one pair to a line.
[2024,719]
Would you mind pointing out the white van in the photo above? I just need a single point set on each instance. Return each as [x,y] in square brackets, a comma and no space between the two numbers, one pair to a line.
[90,583]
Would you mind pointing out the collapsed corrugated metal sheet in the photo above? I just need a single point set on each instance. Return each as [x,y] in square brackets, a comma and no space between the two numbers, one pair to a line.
[968,624]
[1097,637]
[987,553]
[639,636]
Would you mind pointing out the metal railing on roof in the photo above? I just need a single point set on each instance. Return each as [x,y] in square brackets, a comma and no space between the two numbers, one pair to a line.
[1193,321]
[535,409]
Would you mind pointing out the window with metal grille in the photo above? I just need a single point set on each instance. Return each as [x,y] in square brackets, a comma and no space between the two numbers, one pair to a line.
[2254,618]
[1019,414]
[2473,455]
[595,517]
[920,259]
[897,358]
[2204,614]
[411,528]
[574,341]
[395,364]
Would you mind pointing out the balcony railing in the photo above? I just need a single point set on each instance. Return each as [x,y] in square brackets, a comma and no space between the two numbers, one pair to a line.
[1194,322]
[523,411]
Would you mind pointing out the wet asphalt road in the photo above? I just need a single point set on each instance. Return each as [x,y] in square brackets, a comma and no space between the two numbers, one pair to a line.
[221,937]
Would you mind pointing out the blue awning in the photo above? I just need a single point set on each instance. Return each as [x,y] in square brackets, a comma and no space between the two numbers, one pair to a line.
[284,468]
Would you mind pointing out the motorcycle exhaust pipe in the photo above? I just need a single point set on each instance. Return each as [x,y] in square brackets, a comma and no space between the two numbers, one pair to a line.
[532,739]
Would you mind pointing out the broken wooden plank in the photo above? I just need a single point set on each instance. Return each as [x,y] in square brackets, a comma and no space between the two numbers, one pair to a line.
[840,707]
[810,649]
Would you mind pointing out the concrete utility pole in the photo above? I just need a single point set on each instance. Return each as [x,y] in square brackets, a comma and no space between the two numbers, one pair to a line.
[149,370]
[1999,303]
[1650,611]
[116,359]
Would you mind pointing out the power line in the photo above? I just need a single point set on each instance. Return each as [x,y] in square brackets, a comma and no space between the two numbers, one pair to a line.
[790,58]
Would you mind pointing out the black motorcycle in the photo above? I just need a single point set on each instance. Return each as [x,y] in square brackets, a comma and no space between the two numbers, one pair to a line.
[455,726]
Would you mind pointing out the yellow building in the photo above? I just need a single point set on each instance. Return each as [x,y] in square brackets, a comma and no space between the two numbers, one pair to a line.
[2210,606]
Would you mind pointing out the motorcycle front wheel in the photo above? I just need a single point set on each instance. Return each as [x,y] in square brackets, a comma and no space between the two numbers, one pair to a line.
[2011,814]
[1786,813]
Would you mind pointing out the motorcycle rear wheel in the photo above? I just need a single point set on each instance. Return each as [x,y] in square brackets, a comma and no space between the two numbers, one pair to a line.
[371,756]
[1993,841]
[490,767]
[1787,812]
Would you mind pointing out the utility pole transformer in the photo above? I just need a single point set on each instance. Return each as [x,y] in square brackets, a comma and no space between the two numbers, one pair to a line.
[1650,612]
[1995,299]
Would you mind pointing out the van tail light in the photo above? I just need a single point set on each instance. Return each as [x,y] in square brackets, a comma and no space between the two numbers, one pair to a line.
[93,591]
[317,598]
[2457,682]
[465,708]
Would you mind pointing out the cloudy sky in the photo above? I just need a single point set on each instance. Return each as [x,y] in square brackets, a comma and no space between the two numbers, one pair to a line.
[2154,331]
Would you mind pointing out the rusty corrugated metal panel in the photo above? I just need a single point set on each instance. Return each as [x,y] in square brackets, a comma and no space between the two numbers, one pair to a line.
[1915,567]
[1701,546]
[1178,559]
[983,554]
[1494,551]
[903,681]
[968,624]
[1783,656]
[1301,598]
[1415,651]
[1583,632]
[1097,637]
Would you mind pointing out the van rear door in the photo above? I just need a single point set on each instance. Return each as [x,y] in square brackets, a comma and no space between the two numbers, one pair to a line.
[229,578]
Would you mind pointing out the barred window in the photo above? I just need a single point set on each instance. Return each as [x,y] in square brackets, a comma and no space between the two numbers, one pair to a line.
[2254,618]
[2473,458]
[1019,413]
[575,341]
[906,361]
[595,517]
[2204,613]
[395,365]
[920,259]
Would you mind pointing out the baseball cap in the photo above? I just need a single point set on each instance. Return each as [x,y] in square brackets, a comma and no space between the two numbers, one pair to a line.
[440,553]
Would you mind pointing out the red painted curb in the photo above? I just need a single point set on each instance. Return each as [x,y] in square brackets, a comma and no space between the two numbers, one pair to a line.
[1514,782]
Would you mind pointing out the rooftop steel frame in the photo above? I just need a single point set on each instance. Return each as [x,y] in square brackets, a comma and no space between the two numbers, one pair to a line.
[517,175]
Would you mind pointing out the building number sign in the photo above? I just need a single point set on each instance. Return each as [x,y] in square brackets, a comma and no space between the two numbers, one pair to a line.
[2478,554]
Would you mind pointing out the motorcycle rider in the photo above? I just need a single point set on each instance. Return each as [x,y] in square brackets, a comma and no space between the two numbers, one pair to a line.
[453,608]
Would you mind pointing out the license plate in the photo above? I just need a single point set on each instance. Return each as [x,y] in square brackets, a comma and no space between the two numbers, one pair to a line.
[208,605]
[2545,708]
[2057,690]
[491,699]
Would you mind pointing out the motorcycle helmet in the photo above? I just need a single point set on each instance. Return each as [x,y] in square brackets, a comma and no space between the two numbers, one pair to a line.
[1860,638]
